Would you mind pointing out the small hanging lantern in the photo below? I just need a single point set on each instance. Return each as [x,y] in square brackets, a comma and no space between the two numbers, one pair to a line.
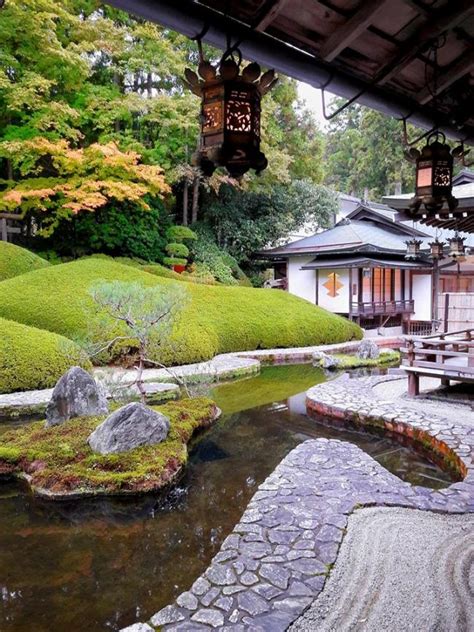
[230,114]
[436,249]
[434,174]
[457,249]
[413,248]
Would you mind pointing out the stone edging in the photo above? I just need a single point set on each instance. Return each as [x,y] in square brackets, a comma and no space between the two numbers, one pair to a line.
[275,562]
[223,367]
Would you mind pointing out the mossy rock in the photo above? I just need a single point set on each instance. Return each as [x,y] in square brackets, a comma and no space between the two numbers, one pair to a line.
[59,463]
[33,358]
[218,319]
[346,361]
[15,260]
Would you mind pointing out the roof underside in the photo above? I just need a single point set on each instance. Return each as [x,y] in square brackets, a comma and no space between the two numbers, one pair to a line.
[377,48]
[364,262]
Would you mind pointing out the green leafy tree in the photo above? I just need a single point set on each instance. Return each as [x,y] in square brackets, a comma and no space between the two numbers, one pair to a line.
[58,182]
[245,221]
[365,152]
[145,315]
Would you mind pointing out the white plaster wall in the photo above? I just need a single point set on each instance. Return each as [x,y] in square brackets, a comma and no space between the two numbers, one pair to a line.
[302,283]
[339,303]
[422,296]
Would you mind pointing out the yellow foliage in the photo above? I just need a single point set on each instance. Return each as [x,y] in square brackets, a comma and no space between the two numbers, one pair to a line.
[87,178]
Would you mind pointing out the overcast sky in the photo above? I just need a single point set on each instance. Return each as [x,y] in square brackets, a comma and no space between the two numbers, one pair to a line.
[312,96]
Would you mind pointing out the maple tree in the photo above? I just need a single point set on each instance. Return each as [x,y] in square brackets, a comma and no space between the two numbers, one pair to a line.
[58,182]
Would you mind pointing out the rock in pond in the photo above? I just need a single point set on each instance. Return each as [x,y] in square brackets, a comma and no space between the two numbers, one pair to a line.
[325,361]
[368,350]
[129,427]
[76,394]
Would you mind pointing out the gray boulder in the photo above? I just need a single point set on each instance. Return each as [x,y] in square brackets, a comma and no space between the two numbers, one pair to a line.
[368,350]
[129,427]
[76,394]
[325,361]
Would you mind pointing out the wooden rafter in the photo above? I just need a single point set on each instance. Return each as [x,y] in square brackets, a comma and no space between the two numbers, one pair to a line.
[269,12]
[420,8]
[351,29]
[452,73]
[444,20]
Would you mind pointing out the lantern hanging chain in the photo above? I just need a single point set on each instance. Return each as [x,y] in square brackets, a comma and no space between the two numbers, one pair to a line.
[433,50]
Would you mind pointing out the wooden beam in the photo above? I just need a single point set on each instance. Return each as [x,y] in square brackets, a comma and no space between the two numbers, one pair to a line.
[422,9]
[450,74]
[442,20]
[350,30]
[16,216]
[269,12]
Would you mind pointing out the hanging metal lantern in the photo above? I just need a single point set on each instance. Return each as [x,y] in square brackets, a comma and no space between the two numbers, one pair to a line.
[230,114]
[436,249]
[434,174]
[413,248]
[457,248]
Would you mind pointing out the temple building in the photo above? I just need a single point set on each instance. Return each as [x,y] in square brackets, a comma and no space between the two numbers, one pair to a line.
[359,268]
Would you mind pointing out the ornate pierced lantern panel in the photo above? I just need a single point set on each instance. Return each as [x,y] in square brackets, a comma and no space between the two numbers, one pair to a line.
[413,248]
[434,168]
[230,115]
[436,249]
[457,248]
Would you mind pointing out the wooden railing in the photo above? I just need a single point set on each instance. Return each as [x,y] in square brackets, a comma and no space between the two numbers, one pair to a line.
[447,356]
[382,308]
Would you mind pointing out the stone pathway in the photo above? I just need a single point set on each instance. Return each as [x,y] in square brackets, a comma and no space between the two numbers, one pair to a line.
[396,391]
[276,560]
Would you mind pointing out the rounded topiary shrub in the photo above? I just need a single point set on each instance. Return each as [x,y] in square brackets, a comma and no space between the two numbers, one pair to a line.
[15,260]
[216,319]
[33,358]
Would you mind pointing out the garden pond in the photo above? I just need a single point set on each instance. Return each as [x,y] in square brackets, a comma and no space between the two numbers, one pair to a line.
[93,565]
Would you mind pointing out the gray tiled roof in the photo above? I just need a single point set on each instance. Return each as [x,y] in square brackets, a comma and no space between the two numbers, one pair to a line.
[347,235]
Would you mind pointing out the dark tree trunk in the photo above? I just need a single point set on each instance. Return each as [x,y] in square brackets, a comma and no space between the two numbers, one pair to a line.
[185,202]
[195,205]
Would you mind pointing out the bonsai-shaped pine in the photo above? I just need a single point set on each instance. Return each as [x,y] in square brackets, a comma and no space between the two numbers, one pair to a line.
[144,316]
[177,250]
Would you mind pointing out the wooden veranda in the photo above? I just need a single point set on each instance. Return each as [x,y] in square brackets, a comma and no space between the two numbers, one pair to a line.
[447,356]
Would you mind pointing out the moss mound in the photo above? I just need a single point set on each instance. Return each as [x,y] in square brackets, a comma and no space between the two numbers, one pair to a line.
[32,358]
[58,460]
[15,260]
[218,319]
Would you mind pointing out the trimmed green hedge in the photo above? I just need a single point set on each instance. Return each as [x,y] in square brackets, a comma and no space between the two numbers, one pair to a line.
[32,358]
[218,319]
[15,260]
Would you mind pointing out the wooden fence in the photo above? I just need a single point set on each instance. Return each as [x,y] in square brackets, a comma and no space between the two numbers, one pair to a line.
[7,228]
[456,310]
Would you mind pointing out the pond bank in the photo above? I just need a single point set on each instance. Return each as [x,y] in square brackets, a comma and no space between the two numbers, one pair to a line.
[223,367]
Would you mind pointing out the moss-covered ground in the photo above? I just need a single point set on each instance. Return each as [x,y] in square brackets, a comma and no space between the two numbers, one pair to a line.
[15,260]
[32,358]
[58,460]
[346,361]
[217,319]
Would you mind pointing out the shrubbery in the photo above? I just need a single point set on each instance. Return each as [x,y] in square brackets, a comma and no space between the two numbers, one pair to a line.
[219,263]
[15,260]
[32,358]
[218,319]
